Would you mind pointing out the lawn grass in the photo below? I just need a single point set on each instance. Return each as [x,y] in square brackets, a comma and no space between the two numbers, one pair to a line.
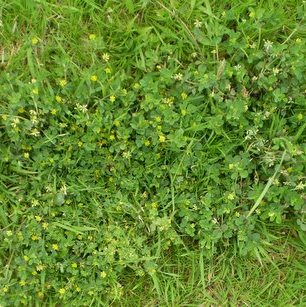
[152,153]
[186,280]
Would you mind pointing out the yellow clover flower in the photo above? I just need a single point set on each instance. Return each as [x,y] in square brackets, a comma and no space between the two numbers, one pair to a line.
[34,41]
[94,78]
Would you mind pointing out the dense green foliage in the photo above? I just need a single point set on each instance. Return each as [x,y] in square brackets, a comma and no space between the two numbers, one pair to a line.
[130,129]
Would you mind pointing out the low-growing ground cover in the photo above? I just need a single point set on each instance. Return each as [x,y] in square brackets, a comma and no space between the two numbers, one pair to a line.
[152,153]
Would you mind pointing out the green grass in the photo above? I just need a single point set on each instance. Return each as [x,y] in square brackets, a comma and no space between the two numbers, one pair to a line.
[185,279]
[152,153]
